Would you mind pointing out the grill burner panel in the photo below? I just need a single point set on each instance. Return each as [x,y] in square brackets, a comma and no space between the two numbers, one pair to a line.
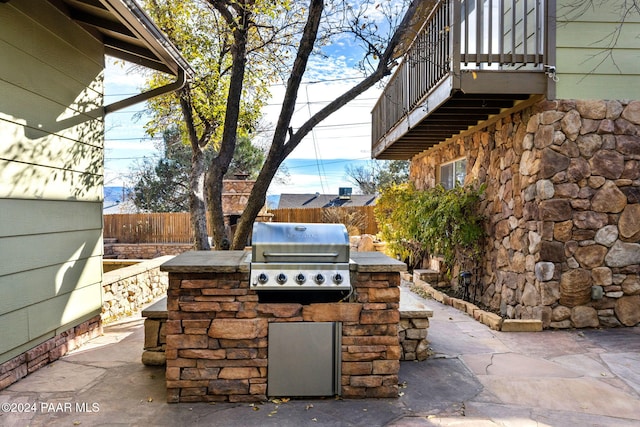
[300,276]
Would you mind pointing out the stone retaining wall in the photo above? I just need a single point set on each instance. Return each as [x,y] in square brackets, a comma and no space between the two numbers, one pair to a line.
[563,206]
[144,250]
[127,290]
[217,337]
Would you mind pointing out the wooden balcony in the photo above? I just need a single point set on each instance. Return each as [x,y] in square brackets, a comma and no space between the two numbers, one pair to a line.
[470,61]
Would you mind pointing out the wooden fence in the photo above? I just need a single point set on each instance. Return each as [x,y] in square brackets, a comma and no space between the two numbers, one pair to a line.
[149,228]
[360,217]
[176,227]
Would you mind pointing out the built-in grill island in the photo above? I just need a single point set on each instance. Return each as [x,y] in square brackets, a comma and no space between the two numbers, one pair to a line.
[298,315]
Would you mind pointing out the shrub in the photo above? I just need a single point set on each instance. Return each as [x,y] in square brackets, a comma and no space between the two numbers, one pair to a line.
[436,222]
[353,220]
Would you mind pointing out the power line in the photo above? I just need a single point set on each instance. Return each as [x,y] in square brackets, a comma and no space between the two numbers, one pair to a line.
[312,82]
[142,138]
[352,104]
[312,162]
[315,145]
[326,162]
[156,138]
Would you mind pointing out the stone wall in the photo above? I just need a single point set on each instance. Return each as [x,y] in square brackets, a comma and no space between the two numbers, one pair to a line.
[562,204]
[49,351]
[155,333]
[127,290]
[414,326]
[144,250]
[216,342]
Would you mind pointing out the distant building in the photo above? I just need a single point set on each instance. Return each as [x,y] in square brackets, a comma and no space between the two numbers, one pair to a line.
[344,198]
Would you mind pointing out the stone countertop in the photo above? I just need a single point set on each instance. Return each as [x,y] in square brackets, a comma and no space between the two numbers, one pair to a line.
[412,305]
[157,310]
[238,261]
[209,262]
[375,262]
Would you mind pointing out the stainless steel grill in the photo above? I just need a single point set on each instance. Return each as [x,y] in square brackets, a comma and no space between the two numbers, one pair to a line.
[296,258]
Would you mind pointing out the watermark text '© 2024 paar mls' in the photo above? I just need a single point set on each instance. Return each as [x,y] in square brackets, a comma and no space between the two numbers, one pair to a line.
[49,407]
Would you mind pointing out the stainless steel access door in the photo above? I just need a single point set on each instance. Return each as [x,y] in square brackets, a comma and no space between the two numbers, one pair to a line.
[304,359]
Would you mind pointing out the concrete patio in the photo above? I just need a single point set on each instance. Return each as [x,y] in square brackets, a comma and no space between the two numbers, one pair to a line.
[476,377]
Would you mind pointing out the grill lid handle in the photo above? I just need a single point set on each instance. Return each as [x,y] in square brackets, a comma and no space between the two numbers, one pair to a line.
[298,254]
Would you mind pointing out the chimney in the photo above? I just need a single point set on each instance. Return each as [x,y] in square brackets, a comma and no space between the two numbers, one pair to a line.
[344,193]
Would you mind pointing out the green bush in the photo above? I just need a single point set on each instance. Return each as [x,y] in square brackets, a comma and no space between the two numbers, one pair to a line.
[437,222]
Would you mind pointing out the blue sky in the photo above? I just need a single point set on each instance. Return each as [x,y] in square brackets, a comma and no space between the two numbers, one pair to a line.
[316,165]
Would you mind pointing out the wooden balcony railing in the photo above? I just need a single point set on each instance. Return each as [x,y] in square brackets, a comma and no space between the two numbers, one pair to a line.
[459,41]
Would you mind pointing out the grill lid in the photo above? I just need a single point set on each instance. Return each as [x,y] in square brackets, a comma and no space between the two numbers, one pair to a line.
[299,242]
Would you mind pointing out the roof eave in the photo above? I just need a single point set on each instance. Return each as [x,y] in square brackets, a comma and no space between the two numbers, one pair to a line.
[139,23]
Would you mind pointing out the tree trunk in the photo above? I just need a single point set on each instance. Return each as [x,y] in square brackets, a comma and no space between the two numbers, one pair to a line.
[214,203]
[197,205]
[277,151]
[220,164]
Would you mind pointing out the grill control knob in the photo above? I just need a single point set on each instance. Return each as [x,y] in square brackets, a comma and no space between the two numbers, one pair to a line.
[337,278]
[281,278]
[300,278]
[319,279]
[263,278]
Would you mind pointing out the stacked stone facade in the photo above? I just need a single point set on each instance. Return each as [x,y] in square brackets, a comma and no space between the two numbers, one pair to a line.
[217,336]
[413,337]
[116,250]
[562,204]
[126,290]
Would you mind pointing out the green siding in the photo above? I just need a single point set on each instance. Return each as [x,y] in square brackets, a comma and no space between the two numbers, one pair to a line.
[598,35]
[24,180]
[64,309]
[25,217]
[24,253]
[586,65]
[36,26]
[87,98]
[68,277]
[589,11]
[616,87]
[15,331]
[50,118]
[51,173]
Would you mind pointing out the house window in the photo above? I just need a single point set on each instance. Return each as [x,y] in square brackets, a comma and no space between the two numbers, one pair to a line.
[452,173]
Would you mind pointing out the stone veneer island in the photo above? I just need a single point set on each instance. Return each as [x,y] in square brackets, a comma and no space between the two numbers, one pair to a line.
[217,329]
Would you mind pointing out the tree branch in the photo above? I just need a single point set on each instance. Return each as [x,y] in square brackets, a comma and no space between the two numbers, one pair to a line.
[307,42]
[385,65]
